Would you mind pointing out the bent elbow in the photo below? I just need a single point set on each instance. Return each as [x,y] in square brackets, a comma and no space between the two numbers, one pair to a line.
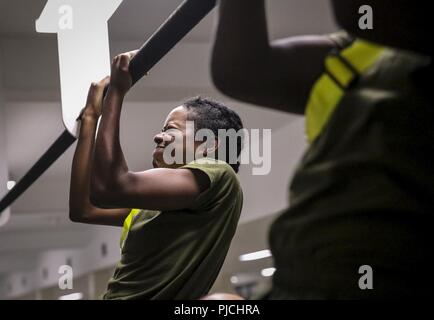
[220,78]
[224,83]
[76,217]
[220,84]
[217,75]
[104,197]
[237,83]
[108,194]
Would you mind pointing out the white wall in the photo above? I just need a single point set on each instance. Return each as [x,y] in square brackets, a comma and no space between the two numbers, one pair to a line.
[268,194]
[3,164]
[3,156]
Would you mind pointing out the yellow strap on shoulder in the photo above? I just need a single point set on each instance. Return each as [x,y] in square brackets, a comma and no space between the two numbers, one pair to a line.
[329,89]
[127,225]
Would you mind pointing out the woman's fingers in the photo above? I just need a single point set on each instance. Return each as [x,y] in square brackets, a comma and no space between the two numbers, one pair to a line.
[132,54]
[105,81]
[124,62]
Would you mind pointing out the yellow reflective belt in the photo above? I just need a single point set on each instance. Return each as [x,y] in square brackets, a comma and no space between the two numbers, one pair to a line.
[127,225]
[341,71]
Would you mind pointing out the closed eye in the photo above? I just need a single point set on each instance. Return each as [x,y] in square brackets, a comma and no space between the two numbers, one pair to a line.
[168,128]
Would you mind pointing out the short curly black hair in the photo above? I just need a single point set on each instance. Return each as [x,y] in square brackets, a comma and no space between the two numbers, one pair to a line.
[213,115]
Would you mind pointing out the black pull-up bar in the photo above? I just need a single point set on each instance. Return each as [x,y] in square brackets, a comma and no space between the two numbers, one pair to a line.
[173,30]
[62,144]
[176,27]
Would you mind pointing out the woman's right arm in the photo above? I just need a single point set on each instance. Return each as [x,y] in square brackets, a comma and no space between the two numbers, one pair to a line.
[80,208]
[246,66]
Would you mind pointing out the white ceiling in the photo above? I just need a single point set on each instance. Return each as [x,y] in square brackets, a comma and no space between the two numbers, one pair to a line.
[138,19]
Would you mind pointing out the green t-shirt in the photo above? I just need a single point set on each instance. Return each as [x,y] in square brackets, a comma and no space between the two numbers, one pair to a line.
[178,254]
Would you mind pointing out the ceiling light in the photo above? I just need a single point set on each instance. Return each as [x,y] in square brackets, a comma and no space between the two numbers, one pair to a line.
[234,279]
[255,255]
[72,296]
[10,184]
[268,272]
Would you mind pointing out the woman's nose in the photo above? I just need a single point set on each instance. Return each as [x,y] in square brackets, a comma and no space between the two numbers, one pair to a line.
[158,138]
[163,137]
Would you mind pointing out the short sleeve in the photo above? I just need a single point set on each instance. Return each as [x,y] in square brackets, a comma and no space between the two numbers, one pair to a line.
[222,178]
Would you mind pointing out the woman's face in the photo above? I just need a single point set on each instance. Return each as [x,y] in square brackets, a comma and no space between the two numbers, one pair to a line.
[174,133]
